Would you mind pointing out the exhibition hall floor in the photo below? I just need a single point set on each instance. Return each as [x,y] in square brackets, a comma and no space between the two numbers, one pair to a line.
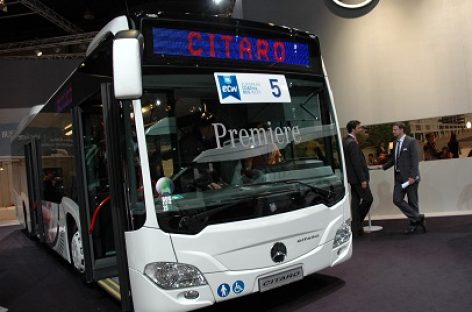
[389,271]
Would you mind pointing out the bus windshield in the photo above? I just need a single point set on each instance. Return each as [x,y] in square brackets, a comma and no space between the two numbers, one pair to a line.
[212,163]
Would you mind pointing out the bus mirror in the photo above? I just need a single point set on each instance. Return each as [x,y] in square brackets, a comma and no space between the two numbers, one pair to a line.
[127,77]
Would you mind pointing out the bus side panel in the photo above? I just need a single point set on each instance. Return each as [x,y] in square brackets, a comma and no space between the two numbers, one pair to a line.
[142,252]
[21,207]
[144,246]
[62,244]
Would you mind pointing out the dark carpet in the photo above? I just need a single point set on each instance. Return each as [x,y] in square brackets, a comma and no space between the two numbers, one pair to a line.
[34,278]
[389,271]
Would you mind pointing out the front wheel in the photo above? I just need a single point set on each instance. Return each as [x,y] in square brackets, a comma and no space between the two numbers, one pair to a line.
[77,251]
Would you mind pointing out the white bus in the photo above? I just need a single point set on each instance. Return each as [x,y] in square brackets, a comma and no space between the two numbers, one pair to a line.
[189,161]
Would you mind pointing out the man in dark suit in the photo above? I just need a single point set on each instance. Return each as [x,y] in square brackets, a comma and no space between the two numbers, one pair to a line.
[357,176]
[405,161]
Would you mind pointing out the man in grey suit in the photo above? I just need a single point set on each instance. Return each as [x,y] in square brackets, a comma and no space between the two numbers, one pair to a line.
[357,176]
[405,161]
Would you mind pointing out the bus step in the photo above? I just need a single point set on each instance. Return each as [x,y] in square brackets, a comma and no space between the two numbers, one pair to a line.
[111,286]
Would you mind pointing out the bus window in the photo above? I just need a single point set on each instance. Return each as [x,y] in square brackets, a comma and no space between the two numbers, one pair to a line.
[200,145]
[132,165]
[56,167]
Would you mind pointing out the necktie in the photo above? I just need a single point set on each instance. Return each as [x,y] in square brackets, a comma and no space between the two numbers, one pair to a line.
[397,154]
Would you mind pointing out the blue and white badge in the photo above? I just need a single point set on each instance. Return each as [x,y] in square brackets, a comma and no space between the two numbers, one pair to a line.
[223,290]
[236,88]
[228,87]
[238,287]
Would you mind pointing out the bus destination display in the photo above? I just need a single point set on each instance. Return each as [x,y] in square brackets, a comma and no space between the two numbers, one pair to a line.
[190,43]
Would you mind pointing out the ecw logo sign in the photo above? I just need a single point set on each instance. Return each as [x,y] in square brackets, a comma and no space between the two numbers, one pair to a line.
[229,86]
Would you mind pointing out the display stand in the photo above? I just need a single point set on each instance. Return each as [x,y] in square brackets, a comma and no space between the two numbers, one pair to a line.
[371,228]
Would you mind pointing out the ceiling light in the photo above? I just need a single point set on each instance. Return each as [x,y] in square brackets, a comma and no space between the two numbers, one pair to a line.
[88,15]
[217,2]
[38,52]
[3,6]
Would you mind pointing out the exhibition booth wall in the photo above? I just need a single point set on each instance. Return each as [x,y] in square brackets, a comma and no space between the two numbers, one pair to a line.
[445,189]
[404,60]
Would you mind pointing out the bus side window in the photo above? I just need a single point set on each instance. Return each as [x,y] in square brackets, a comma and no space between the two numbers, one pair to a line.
[132,165]
[53,188]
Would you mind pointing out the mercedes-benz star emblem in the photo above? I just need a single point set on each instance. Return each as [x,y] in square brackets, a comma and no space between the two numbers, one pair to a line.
[278,253]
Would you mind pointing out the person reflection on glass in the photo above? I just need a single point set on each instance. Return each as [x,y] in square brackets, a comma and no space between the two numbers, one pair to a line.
[430,150]
[253,167]
[453,146]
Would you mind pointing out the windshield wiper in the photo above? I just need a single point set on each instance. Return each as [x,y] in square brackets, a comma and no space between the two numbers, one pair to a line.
[328,194]
[195,222]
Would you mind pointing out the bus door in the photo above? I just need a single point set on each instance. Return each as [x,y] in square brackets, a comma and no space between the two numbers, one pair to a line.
[114,115]
[33,171]
[94,189]
[105,215]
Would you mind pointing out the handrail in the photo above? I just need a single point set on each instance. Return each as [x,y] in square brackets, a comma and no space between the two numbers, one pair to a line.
[95,213]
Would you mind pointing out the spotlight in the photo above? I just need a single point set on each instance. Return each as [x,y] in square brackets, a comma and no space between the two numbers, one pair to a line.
[3,6]
[38,52]
[88,15]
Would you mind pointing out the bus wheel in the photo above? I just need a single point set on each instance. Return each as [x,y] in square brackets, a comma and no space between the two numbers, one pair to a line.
[77,251]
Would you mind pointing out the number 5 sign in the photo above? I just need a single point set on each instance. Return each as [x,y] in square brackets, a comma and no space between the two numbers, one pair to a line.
[251,88]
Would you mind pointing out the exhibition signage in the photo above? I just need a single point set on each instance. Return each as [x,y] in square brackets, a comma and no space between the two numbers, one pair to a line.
[238,88]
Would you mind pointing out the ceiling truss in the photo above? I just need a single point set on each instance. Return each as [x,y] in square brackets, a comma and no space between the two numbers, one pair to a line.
[64,47]
[49,14]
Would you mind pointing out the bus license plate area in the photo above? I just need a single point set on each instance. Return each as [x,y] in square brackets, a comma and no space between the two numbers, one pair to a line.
[280,279]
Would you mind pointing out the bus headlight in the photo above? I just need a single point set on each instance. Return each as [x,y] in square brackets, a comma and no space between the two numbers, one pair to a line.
[172,275]
[343,234]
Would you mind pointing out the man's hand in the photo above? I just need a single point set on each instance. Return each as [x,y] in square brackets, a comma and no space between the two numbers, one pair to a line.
[364,184]
[411,181]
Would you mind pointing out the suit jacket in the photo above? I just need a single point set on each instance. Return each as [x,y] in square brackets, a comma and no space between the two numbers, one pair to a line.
[408,160]
[356,166]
